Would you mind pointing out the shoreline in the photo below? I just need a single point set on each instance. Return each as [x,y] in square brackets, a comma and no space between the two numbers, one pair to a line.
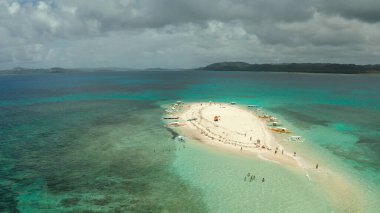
[233,132]
[222,133]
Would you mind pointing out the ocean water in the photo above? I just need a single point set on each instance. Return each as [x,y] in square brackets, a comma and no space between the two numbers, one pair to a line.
[95,142]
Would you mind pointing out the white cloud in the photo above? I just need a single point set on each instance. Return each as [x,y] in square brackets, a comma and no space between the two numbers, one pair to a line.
[14,8]
[181,33]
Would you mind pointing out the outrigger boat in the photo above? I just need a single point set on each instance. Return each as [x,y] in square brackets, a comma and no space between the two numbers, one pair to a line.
[274,123]
[176,124]
[171,117]
[264,116]
[273,119]
[296,138]
[280,130]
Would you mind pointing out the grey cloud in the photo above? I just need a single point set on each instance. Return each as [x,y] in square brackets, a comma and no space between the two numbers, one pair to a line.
[5,57]
[364,10]
[117,15]
[151,33]
[320,30]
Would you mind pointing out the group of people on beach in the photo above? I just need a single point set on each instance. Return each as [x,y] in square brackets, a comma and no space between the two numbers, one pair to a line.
[250,177]
[214,136]
[277,149]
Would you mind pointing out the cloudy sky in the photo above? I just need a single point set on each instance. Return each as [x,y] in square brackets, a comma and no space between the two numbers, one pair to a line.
[186,33]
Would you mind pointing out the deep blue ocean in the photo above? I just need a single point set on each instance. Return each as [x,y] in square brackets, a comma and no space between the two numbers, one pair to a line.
[83,142]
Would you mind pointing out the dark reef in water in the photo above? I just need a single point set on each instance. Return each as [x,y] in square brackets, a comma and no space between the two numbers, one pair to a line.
[8,199]
[68,202]
[69,150]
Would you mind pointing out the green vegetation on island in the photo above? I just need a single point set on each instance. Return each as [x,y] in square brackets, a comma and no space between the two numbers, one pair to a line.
[294,67]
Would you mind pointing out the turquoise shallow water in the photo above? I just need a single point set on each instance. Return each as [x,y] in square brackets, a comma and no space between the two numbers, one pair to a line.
[221,178]
[95,142]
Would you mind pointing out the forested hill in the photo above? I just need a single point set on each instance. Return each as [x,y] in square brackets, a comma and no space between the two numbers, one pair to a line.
[294,67]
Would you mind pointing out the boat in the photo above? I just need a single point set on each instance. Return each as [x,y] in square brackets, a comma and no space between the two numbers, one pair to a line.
[296,138]
[280,130]
[274,119]
[176,124]
[252,106]
[232,103]
[264,116]
[171,117]
[274,123]
[192,119]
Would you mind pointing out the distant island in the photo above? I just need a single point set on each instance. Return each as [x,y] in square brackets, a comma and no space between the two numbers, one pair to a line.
[22,70]
[294,67]
[223,66]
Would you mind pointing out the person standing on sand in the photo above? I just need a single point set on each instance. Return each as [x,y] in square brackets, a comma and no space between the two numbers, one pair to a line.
[241,148]
[295,153]
[317,166]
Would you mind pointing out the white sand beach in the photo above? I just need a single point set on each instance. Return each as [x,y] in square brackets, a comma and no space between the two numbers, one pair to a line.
[236,128]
